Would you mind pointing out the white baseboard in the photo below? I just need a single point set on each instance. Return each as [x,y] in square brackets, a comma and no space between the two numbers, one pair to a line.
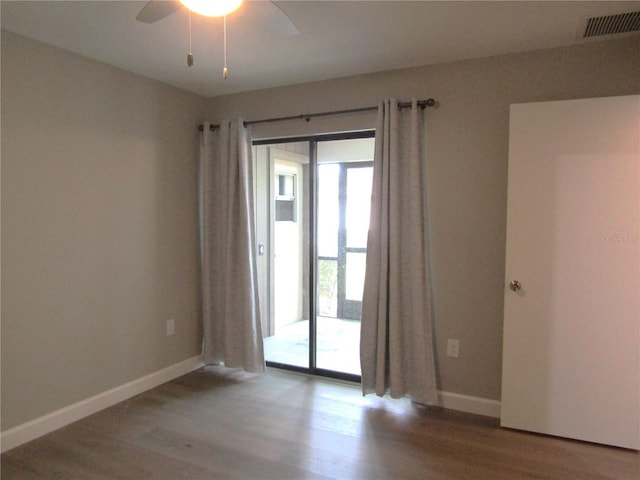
[40,426]
[469,404]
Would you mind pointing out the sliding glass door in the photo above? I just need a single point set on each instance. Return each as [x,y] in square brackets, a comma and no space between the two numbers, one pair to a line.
[312,203]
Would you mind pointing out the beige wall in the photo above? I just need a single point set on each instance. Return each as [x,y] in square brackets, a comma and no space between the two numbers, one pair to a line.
[99,227]
[467,169]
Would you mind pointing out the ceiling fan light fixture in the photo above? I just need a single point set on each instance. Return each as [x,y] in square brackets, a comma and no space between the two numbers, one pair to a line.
[212,8]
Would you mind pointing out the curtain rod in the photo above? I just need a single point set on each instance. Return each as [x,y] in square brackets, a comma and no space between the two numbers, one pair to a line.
[429,102]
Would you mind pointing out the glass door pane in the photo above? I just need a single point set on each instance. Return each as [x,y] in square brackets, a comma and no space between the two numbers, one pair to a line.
[287,336]
[344,176]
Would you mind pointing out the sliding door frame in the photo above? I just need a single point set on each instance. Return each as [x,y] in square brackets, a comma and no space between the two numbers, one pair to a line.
[312,186]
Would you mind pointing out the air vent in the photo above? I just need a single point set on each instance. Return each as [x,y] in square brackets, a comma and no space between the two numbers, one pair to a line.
[612,24]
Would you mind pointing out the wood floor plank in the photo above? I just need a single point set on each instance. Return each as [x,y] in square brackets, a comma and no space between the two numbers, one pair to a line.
[217,424]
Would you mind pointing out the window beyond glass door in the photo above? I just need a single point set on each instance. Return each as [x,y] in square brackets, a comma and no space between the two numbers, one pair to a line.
[344,199]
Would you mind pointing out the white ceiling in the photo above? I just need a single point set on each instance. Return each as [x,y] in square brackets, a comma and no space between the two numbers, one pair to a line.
[337,39]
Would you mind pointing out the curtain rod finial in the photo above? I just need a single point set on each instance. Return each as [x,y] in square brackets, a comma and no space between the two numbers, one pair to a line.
[429,102]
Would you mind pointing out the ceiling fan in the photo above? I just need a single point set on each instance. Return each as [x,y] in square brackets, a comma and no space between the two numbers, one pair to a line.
[266,13]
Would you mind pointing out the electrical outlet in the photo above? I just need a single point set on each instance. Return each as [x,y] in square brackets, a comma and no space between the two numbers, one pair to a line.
[453,348]
[171,326]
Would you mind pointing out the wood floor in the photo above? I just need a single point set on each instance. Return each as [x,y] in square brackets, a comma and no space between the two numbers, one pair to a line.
[215,424]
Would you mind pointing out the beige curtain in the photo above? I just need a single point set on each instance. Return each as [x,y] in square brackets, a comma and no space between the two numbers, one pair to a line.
[396,344]
[230,304]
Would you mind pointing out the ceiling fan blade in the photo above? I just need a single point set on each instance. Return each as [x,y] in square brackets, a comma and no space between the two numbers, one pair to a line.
[273,19]
[156,10]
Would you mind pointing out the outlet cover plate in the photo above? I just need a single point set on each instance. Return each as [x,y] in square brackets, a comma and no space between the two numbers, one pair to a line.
[453,348]
[171,326]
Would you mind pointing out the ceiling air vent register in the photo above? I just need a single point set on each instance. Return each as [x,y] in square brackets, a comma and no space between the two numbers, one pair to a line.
[612,24]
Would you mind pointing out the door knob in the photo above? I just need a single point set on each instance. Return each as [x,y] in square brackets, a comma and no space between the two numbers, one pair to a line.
[515,285]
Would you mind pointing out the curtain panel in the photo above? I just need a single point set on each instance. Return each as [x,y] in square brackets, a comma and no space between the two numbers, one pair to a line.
[396,343]
[232,332]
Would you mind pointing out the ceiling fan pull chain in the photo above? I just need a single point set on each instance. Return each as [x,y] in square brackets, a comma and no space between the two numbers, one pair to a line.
[225,72]
[190,55]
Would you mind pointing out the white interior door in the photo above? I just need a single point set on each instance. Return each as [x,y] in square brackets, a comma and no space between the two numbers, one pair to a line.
[571,359]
